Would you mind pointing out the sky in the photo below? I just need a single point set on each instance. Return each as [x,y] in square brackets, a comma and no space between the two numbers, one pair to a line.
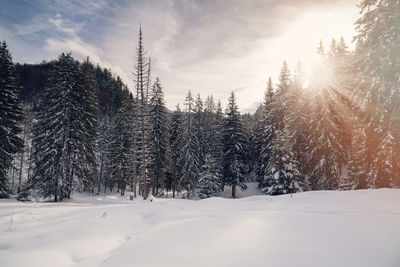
[209,47]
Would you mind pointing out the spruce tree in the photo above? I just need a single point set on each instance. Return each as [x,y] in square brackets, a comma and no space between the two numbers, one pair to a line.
[10,116]
[357,169]
[190,150]
[158,138]
[379,74]
[87,137]
[199,126]
[268,126]
[234,148]
[103,159]
[142,80]
[282,175]
[326,150]
[208,124]
[121,146]
[176,145]
[297,122]
[217,135]
[210,178]
[63,134]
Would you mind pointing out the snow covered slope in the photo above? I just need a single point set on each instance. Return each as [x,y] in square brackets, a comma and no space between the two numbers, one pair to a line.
[359,228]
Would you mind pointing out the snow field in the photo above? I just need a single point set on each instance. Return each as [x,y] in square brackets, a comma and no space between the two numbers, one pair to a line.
[357,228]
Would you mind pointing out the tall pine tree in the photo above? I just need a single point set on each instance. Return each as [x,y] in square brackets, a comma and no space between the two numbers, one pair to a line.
[234,148]
[176,145]
[10,116]
[159,137]
[190,150]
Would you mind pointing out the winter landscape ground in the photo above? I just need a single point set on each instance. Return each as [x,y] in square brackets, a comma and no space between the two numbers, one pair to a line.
[320,228]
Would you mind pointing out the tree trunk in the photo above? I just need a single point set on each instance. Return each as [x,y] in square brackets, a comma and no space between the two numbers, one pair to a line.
[55,189]
[100,175]
[173,182]
[20,172]
[233,191]
[13,175]
[134,179]
[22,162]
[153,189]
[29,162]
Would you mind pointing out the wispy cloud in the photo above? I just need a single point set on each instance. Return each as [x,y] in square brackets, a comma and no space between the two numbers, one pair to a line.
[209,46]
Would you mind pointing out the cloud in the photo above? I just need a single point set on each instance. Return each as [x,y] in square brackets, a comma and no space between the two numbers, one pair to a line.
[210,46]
[79,48]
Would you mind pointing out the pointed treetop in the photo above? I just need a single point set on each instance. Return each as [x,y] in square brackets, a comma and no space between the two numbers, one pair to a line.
[284,79]
[320,49]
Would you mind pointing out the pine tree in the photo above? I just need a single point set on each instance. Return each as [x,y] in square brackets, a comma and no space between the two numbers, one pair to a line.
[190,151]
[10,116]
[198,124]
[256,142]
[87,138]
[217,135]
[208,124]
[356,178]
[282,98]
[24,155]
[176,144]
[142,79]
[297,122]
[63,134]
[282,175]
[234,148]
[210,178]
[275,114]
[326,150]
[265,130]
[104,161]
[379,74]
[159,137]
[320,49]
[121,147]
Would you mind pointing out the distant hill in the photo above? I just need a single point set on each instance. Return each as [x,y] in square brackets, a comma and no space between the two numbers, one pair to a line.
[32,80]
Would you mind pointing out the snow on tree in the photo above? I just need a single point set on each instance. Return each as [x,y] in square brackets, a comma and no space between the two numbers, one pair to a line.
[176,145]
[217,134]
[298,119]
[274,115]
[282,175]
[87,138]
[120,149]
[209,117]
[265,130]
[103,142]
[10,116]
[190,150]
[356,178]
[199,126]
[158,137]
[325,147]
[62,133]
[234,147]
[210,178]
[143,81]
[378,35]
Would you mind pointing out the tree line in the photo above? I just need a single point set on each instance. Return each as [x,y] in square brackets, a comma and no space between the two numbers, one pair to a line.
[336,130]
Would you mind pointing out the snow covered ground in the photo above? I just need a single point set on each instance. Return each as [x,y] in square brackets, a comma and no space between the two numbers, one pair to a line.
[359,228]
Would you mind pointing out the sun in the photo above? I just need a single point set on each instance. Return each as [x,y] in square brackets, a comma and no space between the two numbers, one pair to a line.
[321,75]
